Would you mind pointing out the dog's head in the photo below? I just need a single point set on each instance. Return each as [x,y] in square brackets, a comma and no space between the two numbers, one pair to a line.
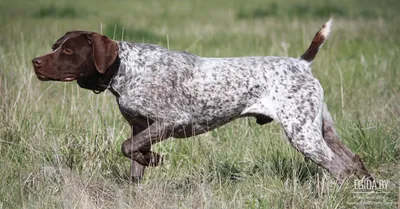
[76,55]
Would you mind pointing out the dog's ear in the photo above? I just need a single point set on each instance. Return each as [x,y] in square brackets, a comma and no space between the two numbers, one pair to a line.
[105,51]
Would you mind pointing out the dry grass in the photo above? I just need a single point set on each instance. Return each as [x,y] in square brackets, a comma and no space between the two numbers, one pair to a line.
[60,145]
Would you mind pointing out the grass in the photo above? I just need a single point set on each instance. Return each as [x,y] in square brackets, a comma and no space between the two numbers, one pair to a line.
[56,12]
[60,145]
[118,31]
[309,9]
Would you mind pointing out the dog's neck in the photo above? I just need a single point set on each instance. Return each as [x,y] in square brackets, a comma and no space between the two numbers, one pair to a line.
[137,60]
[100,82]
[129,68]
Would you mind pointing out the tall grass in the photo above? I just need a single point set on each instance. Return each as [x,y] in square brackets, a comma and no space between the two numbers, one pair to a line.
[60,145]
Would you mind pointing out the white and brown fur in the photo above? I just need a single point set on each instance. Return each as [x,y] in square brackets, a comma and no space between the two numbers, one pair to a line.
[164,93]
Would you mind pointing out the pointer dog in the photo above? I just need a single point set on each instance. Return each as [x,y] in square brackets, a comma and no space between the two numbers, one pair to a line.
[164,93]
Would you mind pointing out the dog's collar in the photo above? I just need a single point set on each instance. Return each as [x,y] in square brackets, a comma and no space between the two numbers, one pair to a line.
[97,82]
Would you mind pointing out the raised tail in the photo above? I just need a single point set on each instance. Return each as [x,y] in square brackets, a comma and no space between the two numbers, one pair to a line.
[317,42]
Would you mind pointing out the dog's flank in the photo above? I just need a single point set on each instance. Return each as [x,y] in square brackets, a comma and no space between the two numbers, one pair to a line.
[317,42]
[164,93]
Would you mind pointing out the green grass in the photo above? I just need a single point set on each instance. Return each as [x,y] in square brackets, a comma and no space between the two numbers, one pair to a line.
[117,30]
[56,12]
[311,9]
[60,144]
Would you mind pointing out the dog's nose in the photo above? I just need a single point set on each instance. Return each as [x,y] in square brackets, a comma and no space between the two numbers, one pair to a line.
[37,62]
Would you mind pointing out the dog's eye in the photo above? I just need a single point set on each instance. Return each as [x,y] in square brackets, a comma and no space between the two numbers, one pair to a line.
[67,51]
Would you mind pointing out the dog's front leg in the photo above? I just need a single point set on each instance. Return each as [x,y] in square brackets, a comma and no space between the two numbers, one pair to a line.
[137,170]
[138,147]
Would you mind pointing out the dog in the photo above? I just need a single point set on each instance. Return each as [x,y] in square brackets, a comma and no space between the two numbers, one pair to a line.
[163,93]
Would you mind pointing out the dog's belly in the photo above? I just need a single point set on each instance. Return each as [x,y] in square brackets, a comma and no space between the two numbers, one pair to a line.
[192,114]
[184,119]
[200,127]
[183,131]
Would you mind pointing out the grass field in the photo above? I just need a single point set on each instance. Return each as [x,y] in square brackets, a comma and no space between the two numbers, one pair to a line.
[60,144]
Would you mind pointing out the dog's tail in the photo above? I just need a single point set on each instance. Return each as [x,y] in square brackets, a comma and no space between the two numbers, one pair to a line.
[317,42]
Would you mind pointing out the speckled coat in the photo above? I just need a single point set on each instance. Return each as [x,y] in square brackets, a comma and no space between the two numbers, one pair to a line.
[188,95]
[185,90]
[164,93]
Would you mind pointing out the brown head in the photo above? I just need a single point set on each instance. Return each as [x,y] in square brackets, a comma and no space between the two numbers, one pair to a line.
[78,55]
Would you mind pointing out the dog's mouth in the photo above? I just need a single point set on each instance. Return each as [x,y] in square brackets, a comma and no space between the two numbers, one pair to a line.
[65,79]
[70,78]
[42,77]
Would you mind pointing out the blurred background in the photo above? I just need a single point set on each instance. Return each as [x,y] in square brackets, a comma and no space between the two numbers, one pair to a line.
[60,145]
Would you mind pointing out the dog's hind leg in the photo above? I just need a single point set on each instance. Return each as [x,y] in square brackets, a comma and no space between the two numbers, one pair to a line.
[339,148]
[301,117]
